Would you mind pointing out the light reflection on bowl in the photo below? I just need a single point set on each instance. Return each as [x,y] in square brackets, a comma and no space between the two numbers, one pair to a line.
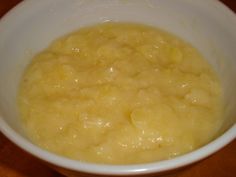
[29,27]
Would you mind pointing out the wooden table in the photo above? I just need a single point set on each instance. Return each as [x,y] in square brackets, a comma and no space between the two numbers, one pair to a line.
[14,162]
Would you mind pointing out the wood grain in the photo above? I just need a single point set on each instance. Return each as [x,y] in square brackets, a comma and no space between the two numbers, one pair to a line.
[14,162]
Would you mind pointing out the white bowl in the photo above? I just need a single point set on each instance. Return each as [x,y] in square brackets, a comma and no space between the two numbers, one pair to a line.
[32,25]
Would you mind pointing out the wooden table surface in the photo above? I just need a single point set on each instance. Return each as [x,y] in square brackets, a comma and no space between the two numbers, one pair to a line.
[14,162]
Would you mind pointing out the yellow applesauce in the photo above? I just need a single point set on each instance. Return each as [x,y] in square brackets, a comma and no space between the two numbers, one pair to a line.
[120,93]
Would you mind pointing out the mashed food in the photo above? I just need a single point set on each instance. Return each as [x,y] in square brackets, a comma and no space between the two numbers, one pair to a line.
[120,93]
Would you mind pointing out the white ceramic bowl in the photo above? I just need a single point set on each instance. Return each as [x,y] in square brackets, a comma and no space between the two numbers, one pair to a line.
[28,28]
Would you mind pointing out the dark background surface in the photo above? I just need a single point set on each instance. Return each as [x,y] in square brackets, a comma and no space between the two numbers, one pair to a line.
[14,162]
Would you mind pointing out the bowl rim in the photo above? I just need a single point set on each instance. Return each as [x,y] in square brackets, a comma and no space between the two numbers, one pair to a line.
[160,166]
[104,169]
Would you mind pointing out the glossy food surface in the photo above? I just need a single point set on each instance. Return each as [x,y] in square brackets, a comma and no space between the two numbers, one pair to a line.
[120,93]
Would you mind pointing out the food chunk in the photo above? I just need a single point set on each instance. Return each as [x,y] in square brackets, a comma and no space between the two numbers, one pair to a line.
[120,93]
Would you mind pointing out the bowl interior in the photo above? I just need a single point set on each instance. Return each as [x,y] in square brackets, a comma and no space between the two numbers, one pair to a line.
[33,25]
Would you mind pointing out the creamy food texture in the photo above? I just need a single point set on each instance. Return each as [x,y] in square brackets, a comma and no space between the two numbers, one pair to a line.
[120,93]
